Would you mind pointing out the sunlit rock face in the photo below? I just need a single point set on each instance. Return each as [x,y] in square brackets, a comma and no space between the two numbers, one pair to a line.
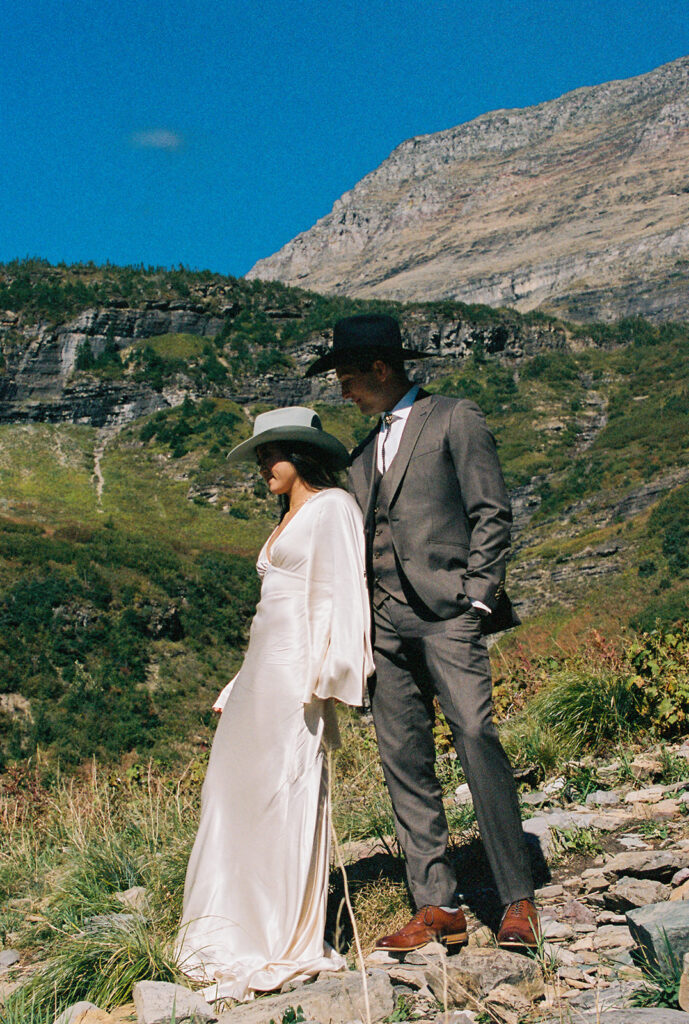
[578,206]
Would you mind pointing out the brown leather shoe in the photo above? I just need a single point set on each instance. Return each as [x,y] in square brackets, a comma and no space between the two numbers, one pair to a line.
[519,926]
[429,924]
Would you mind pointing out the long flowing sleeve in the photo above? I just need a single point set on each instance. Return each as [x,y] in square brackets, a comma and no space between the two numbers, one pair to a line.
[221,699]
[339,656]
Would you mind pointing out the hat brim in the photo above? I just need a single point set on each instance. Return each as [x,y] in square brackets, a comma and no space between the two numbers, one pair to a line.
[338,456]
[333,359]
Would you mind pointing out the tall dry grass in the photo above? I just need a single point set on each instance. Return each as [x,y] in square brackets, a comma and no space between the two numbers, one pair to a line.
[67,849]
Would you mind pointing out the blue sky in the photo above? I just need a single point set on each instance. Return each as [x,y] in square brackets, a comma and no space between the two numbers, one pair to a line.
[209,134]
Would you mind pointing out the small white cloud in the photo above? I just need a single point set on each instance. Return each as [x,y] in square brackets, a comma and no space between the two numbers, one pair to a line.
[157,138]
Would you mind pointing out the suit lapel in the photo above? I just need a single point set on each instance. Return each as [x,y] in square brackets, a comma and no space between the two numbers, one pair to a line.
[413,427]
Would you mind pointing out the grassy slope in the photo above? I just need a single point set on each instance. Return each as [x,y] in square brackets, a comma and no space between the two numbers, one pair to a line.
[173,521]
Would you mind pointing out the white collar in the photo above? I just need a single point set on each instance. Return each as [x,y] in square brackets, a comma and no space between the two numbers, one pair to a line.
[401,410]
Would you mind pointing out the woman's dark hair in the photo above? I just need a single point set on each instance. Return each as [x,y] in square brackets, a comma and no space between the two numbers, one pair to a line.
[311,463]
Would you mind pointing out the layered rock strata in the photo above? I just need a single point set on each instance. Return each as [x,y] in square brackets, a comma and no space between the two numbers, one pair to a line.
[579,206]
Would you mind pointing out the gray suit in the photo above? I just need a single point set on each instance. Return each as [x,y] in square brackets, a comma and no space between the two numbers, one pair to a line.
[437,535]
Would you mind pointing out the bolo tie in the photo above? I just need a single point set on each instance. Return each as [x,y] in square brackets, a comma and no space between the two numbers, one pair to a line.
[387,419]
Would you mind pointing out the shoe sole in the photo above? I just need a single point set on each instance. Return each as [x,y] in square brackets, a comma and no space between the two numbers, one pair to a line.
[449,940]
[517,944]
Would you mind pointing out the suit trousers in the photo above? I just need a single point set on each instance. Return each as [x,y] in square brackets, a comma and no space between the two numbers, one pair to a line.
[417,660]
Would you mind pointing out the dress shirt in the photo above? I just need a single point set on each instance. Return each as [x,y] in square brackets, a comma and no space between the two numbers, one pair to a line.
[390,435]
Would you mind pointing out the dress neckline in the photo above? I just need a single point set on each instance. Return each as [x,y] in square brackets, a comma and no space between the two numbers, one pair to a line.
[270,543]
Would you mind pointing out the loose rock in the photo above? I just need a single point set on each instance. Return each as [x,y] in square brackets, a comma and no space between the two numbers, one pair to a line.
[683,995]
[160,1002]
[76,1013]
[472,974]
[613,936]
[628,893]
[335,998]
[603,798]
[8,958]
[681,892]
[651,795]
[430,953]
[507,1003]
[656,864]
[136,898]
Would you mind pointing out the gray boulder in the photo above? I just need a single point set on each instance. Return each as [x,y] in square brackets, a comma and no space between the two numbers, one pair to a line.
[160,1002]
[658,927]
[603,798]
[8,958]
[628,893]
[75,1011]
[332,999]
[660,865]
[474,973]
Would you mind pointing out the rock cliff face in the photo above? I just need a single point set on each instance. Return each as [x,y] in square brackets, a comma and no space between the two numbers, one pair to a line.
[39,382]
[578,206]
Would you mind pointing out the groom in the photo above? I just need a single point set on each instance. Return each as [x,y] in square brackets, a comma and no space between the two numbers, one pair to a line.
[437,519]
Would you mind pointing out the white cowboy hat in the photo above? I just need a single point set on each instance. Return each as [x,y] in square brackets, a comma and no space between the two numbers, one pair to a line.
[294,423]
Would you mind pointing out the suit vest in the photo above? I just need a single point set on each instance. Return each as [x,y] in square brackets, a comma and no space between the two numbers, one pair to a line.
[386,572]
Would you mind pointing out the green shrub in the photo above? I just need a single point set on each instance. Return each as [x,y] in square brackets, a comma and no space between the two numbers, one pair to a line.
[209,423]
[589,706]
[490,384]
[531,743]
[670,521]
[671,606]
[556,367]
[662,979]
[659,661]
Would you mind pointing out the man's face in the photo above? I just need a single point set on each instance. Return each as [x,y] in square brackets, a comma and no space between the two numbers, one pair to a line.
[364,388]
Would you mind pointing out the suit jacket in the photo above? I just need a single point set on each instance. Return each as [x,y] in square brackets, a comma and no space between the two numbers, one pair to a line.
[450,514]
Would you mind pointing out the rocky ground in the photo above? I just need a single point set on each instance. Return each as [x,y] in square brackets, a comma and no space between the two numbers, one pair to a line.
[615,869]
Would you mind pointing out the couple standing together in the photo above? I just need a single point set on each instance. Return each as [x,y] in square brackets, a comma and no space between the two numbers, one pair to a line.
[427,570]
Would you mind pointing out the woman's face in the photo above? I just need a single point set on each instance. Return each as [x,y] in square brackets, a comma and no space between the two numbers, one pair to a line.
[279,474]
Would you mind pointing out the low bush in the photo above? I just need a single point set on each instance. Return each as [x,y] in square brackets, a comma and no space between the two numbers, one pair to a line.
[596,699]
[589,706]
[195,425]
[659,663]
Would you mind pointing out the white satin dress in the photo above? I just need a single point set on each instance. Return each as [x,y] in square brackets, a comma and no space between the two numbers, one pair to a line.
[256,885]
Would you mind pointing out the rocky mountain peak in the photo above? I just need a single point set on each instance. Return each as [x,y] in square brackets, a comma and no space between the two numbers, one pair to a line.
[578,206]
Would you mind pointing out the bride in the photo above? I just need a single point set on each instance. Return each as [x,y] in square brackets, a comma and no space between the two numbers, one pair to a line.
[256,886]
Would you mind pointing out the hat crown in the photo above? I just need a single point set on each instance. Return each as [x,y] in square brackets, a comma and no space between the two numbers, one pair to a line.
[292,416]
[367,335]
[367,330]
[291,424]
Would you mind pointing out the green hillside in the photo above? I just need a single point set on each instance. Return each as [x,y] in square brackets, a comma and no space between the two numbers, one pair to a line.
[126,555]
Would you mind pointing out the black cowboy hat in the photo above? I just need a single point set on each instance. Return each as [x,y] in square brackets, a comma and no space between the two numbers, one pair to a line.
[364,335]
